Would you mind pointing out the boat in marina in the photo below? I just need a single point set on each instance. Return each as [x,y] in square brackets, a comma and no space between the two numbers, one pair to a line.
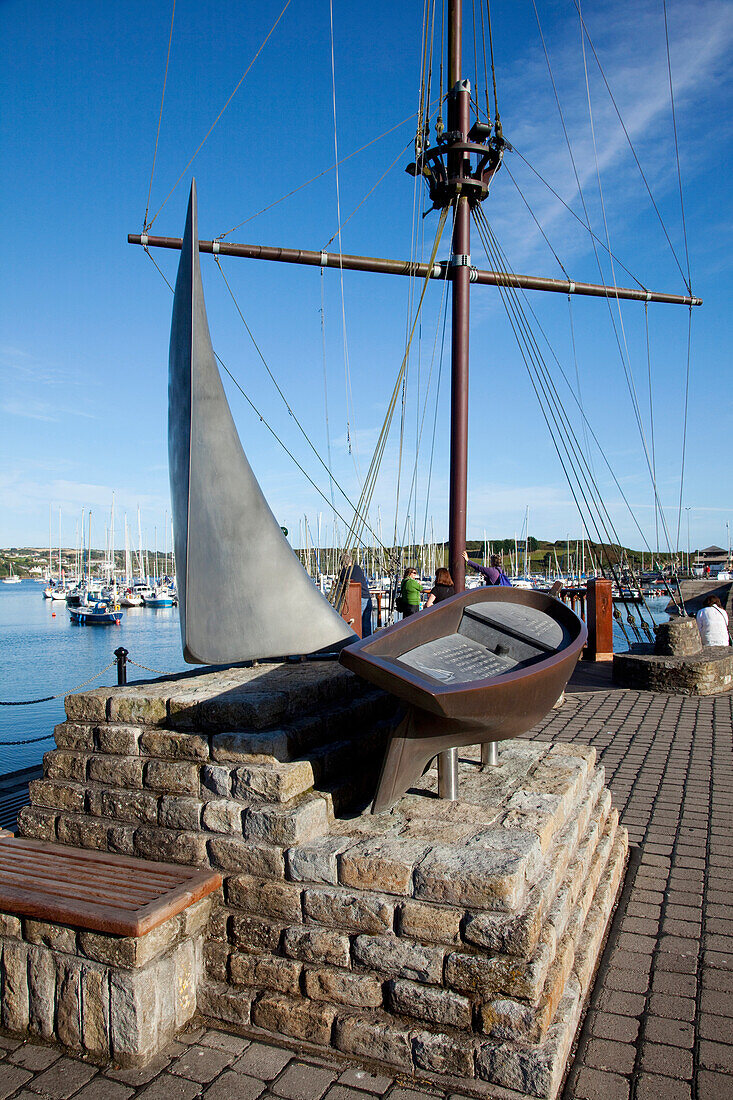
[477,668]
[12,578]
[95,614]
[162,596]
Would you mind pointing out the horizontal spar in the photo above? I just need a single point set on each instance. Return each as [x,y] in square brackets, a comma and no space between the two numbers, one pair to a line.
[440,270]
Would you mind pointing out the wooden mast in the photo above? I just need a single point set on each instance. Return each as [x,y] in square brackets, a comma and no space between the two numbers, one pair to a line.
[459,104]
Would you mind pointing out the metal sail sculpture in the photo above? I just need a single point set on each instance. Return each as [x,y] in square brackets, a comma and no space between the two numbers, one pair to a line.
[243,594]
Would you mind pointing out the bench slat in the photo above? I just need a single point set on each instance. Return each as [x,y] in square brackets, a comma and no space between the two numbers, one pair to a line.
[49,888]
[169,872]
[93,890]
[41,869]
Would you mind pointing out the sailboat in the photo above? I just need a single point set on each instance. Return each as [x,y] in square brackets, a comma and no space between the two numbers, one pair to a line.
[11,578]
[480,667]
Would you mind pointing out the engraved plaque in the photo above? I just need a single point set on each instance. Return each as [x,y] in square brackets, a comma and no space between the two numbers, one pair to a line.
[531,623]
[456,659]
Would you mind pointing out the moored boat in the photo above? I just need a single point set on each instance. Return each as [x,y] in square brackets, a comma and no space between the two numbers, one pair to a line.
[97,614]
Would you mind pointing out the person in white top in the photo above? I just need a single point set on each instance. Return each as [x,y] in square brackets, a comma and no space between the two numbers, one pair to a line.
[712,622]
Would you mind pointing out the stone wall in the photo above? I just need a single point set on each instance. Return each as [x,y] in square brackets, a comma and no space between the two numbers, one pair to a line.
[108,997]
[444,939]
[708,672]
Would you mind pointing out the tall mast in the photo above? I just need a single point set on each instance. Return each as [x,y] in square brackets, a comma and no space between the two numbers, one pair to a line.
[459,104]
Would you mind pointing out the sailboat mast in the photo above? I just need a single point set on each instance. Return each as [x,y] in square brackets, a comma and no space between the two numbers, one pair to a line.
[459,105]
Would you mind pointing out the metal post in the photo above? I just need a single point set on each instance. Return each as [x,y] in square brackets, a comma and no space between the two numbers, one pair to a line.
[489,754]
[121,659]
[448,775]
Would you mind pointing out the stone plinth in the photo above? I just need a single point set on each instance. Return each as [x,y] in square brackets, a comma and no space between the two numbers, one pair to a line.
[708,672]
[677,638]
[453,941]
[112,998]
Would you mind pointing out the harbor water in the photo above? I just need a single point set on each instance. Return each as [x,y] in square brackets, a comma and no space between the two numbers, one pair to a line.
[43,653]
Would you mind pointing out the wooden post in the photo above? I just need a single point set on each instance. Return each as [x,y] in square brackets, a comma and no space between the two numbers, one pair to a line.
[351,611]
[599,619]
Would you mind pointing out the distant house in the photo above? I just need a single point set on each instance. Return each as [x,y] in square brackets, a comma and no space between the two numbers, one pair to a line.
[714,557]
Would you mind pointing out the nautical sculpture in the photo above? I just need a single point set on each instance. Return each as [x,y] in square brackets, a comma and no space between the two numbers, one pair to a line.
[477,668]
[227,540]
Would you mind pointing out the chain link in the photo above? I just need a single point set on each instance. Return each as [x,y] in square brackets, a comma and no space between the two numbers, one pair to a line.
[157,671]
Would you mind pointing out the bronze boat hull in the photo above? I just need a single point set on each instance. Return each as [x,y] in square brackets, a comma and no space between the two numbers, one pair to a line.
[443,715]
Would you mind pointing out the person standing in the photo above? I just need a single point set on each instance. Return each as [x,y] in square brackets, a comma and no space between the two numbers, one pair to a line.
[410,593]
[492,573]
[442,589]
[712,622]
[352,571]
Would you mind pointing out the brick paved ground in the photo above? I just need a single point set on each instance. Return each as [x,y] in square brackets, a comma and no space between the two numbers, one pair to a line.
[660,1025]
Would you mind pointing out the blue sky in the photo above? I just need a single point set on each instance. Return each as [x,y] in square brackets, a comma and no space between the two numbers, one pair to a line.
[84,317]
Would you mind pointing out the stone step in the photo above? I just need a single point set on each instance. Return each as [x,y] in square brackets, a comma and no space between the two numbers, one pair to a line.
[255,697]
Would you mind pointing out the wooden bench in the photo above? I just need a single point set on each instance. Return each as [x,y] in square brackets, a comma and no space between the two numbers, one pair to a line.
[99,952]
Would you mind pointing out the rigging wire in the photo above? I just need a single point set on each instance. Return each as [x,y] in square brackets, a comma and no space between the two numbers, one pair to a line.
[651,419]
[486,69]
[325,390]
[353,451]
[586,34]
[536,221]
[371,477]
[581,471]
[435,418]
[272,431]
[313,179]
[684,425]
[625,355]
[676,145]
[277,386]
[369,193]
[221,112]
[160,119]
[577,381]
[493,66]
[570,211]
[595,250]
[420,421]
[415,223]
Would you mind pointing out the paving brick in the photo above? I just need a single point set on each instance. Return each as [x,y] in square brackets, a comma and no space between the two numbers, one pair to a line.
[607,1025]
[358,1078]
[65,1077]
[609,1055]
[593,1084]
[263,1061]
[222,1040]
[169,1087]
[676,1033]
[652,1086]
[11,1079]
[714,1086]
[100,1088]
[34,1057]
[201,1063]
[716,1056]
[674,1008]
[303,1082]
[233,1085]
[662,1059]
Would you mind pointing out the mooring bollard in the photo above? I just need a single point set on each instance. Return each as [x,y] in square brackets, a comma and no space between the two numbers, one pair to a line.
[121,659]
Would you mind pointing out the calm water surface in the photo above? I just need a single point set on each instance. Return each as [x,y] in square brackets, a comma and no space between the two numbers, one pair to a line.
[45,654]
[42,653]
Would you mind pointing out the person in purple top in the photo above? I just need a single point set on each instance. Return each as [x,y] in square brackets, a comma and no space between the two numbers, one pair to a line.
[490,573]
